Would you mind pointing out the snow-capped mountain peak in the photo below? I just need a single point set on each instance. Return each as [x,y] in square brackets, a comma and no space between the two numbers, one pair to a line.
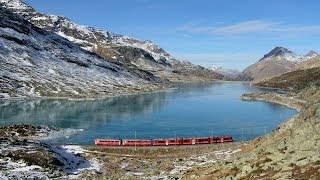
[281,53]
[16,4]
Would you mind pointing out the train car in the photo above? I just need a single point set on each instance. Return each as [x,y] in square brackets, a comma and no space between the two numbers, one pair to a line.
[131,142]
[222,139]
[188,141]
[227,139]
[202,140]
[212,140]
[145,142]
[172,141]
[160,142]
[107,142]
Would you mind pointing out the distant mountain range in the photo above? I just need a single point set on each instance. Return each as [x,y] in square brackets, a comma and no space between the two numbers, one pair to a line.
[230,74]
[278,61]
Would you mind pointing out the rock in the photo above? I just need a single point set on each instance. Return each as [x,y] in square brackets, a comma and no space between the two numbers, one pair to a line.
[246,169]
[4,96]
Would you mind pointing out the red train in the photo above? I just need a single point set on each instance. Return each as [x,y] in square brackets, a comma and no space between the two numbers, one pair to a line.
[163,142]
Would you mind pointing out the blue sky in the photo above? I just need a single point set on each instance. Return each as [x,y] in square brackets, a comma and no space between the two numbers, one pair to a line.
[228,33]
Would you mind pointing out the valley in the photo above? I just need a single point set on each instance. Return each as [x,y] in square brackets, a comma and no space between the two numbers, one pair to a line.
[63,84]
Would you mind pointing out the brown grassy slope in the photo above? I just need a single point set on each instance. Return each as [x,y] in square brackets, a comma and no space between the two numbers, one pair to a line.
[294,80]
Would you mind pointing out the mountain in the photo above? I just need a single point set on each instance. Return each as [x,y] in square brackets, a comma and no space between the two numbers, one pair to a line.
[36,63]
[305,74]
[228,73]
[142,58]
[278,61]
[311,54]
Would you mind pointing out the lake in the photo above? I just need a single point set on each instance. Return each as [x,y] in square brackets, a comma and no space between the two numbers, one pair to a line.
[184,111]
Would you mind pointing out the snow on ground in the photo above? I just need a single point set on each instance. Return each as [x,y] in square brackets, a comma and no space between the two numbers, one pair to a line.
[75,163]
[71,158]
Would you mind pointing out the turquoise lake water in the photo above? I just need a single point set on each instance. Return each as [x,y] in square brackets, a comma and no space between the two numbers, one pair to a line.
[188,110]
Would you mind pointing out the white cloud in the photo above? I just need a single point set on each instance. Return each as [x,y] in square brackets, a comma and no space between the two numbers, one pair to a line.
[252,26]
[246,27]
[187,35]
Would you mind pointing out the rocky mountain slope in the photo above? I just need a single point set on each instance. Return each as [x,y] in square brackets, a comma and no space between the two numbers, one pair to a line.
[305,74]
[276,62]
[142,58]
[37,63]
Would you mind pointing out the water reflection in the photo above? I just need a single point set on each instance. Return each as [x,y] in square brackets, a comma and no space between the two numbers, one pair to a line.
[68,113]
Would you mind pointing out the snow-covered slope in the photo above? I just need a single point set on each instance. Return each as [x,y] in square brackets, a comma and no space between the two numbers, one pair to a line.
[281,53]
[35,63]
[142,58]
[85,36]
[278,61]
[228,73]
[157,53]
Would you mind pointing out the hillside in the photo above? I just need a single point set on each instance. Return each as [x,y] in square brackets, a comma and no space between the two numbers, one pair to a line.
[303,75]
[278,61]
[291,151]
[37,63]
[142,58]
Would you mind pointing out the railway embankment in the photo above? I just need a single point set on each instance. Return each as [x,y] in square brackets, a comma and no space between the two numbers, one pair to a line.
[24,155]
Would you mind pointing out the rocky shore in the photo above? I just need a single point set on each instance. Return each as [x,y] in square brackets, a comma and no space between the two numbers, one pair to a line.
[23,156]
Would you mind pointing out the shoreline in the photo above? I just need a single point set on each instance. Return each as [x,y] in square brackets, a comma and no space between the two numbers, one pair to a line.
[163,87]
[276,98]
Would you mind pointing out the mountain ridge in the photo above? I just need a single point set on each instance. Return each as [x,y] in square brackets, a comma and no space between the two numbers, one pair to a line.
[38,63]
[278,61]
[143,58]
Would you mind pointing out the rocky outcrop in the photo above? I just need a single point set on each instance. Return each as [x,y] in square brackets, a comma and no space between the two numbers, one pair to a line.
[23,156]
